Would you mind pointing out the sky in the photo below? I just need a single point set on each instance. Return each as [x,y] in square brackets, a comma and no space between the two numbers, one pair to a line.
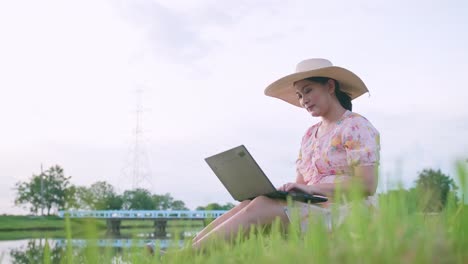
[71,74]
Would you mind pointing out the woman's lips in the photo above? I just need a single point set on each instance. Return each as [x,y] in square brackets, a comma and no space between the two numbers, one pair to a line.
[309,108]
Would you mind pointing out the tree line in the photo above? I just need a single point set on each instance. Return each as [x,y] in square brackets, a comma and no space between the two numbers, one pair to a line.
[51,190]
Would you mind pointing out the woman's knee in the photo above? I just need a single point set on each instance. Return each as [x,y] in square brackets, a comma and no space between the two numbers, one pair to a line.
[244,203]
[239,206]
[262,208]
[259,202]
[262,199]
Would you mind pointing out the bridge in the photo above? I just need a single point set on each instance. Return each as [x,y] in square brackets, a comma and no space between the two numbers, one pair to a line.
[116,243]
[160,217]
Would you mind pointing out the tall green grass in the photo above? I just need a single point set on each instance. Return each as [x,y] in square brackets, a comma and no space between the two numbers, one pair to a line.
[393,233]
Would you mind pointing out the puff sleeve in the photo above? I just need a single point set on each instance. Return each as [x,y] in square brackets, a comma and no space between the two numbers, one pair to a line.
[361,142]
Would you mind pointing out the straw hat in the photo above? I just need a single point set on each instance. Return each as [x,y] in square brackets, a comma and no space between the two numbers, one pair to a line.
[349,82]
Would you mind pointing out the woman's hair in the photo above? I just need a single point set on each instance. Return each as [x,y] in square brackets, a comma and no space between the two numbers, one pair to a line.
[343,98]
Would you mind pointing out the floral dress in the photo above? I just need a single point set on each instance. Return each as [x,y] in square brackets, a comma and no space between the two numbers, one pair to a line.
[330,158]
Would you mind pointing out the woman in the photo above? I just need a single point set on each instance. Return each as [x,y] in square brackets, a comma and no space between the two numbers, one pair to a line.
[342,148]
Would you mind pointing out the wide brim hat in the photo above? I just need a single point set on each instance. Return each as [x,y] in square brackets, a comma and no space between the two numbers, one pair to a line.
[284,89]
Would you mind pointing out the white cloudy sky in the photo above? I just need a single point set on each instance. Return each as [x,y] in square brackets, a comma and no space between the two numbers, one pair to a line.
[69,72]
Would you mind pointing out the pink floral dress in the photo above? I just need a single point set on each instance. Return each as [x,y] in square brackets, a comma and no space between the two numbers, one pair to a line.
[352,141]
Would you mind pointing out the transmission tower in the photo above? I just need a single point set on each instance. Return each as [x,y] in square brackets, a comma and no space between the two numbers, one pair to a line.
[138,163]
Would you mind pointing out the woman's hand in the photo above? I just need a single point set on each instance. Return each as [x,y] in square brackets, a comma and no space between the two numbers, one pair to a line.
[292,186]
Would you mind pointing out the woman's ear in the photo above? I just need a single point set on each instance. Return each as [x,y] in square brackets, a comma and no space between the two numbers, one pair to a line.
[331,86]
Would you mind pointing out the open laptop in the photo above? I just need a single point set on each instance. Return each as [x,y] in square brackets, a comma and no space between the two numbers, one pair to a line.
[245,180]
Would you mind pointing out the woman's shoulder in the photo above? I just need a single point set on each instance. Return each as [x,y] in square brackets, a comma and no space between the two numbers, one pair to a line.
[353,119]
[310,130]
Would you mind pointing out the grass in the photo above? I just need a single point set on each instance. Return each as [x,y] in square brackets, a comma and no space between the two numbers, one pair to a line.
[23,227]
[392,234]
[14,222]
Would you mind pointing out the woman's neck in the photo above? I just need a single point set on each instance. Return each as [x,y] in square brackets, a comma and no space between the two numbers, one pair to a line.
[333,115]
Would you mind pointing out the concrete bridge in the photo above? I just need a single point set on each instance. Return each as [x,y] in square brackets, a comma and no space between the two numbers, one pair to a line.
[159,217]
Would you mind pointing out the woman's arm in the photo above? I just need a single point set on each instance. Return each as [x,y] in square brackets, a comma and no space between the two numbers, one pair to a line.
[365,178]
[300,178]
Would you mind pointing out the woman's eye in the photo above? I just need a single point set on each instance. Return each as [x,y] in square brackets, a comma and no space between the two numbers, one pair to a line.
[306,91]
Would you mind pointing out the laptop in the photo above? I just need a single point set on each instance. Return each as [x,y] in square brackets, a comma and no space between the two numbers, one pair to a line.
[245,180]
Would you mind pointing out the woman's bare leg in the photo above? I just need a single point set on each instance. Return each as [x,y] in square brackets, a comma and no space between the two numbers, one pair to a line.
[220,220]
[261,210]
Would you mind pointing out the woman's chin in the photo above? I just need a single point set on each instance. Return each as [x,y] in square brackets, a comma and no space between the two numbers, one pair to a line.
[314,113]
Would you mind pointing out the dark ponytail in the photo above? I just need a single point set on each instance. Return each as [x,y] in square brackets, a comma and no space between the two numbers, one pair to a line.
[343,98]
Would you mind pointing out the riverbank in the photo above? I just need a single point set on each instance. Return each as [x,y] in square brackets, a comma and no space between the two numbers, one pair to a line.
[16,223]
[20,222]
[14,227]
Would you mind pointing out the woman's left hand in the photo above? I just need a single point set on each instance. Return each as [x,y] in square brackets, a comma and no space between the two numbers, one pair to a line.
[292,186]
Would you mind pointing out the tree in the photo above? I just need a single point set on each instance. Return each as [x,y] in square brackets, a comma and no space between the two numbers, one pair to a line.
[434,188]
[99,196]
[178,205]
[162,202]
[138,199]
[48,190]
[59,192]
[84,198]
[115,202]
[167,202]
[30,193]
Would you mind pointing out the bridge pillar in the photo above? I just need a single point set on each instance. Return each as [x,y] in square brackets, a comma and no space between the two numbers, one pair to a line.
[160,228]
[113,226]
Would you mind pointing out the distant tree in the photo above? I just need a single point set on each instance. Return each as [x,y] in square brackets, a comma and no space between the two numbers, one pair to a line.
[71,198]
[216,206]
[99,196]
[162,202]
[29,193]
[434,188]
[84,199]
[178,205]
[115,202]
[167,202]
[138,199]
[48,190]
[61,190]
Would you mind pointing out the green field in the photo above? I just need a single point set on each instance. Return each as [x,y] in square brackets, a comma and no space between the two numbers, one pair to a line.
[9,223]
[394,233]
[390,235]
[12,223]
[23,227]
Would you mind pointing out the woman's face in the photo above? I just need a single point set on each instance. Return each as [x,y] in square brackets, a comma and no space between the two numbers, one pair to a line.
[316,98]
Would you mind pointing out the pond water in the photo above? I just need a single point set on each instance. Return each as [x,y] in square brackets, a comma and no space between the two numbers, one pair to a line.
[32,250]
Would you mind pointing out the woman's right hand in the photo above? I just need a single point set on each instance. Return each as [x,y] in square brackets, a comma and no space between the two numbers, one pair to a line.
[292,186]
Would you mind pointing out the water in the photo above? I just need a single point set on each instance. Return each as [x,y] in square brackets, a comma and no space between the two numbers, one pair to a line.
[32,250]
[8,246]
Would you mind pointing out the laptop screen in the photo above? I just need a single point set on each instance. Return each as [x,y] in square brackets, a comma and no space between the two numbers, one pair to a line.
[240,174]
